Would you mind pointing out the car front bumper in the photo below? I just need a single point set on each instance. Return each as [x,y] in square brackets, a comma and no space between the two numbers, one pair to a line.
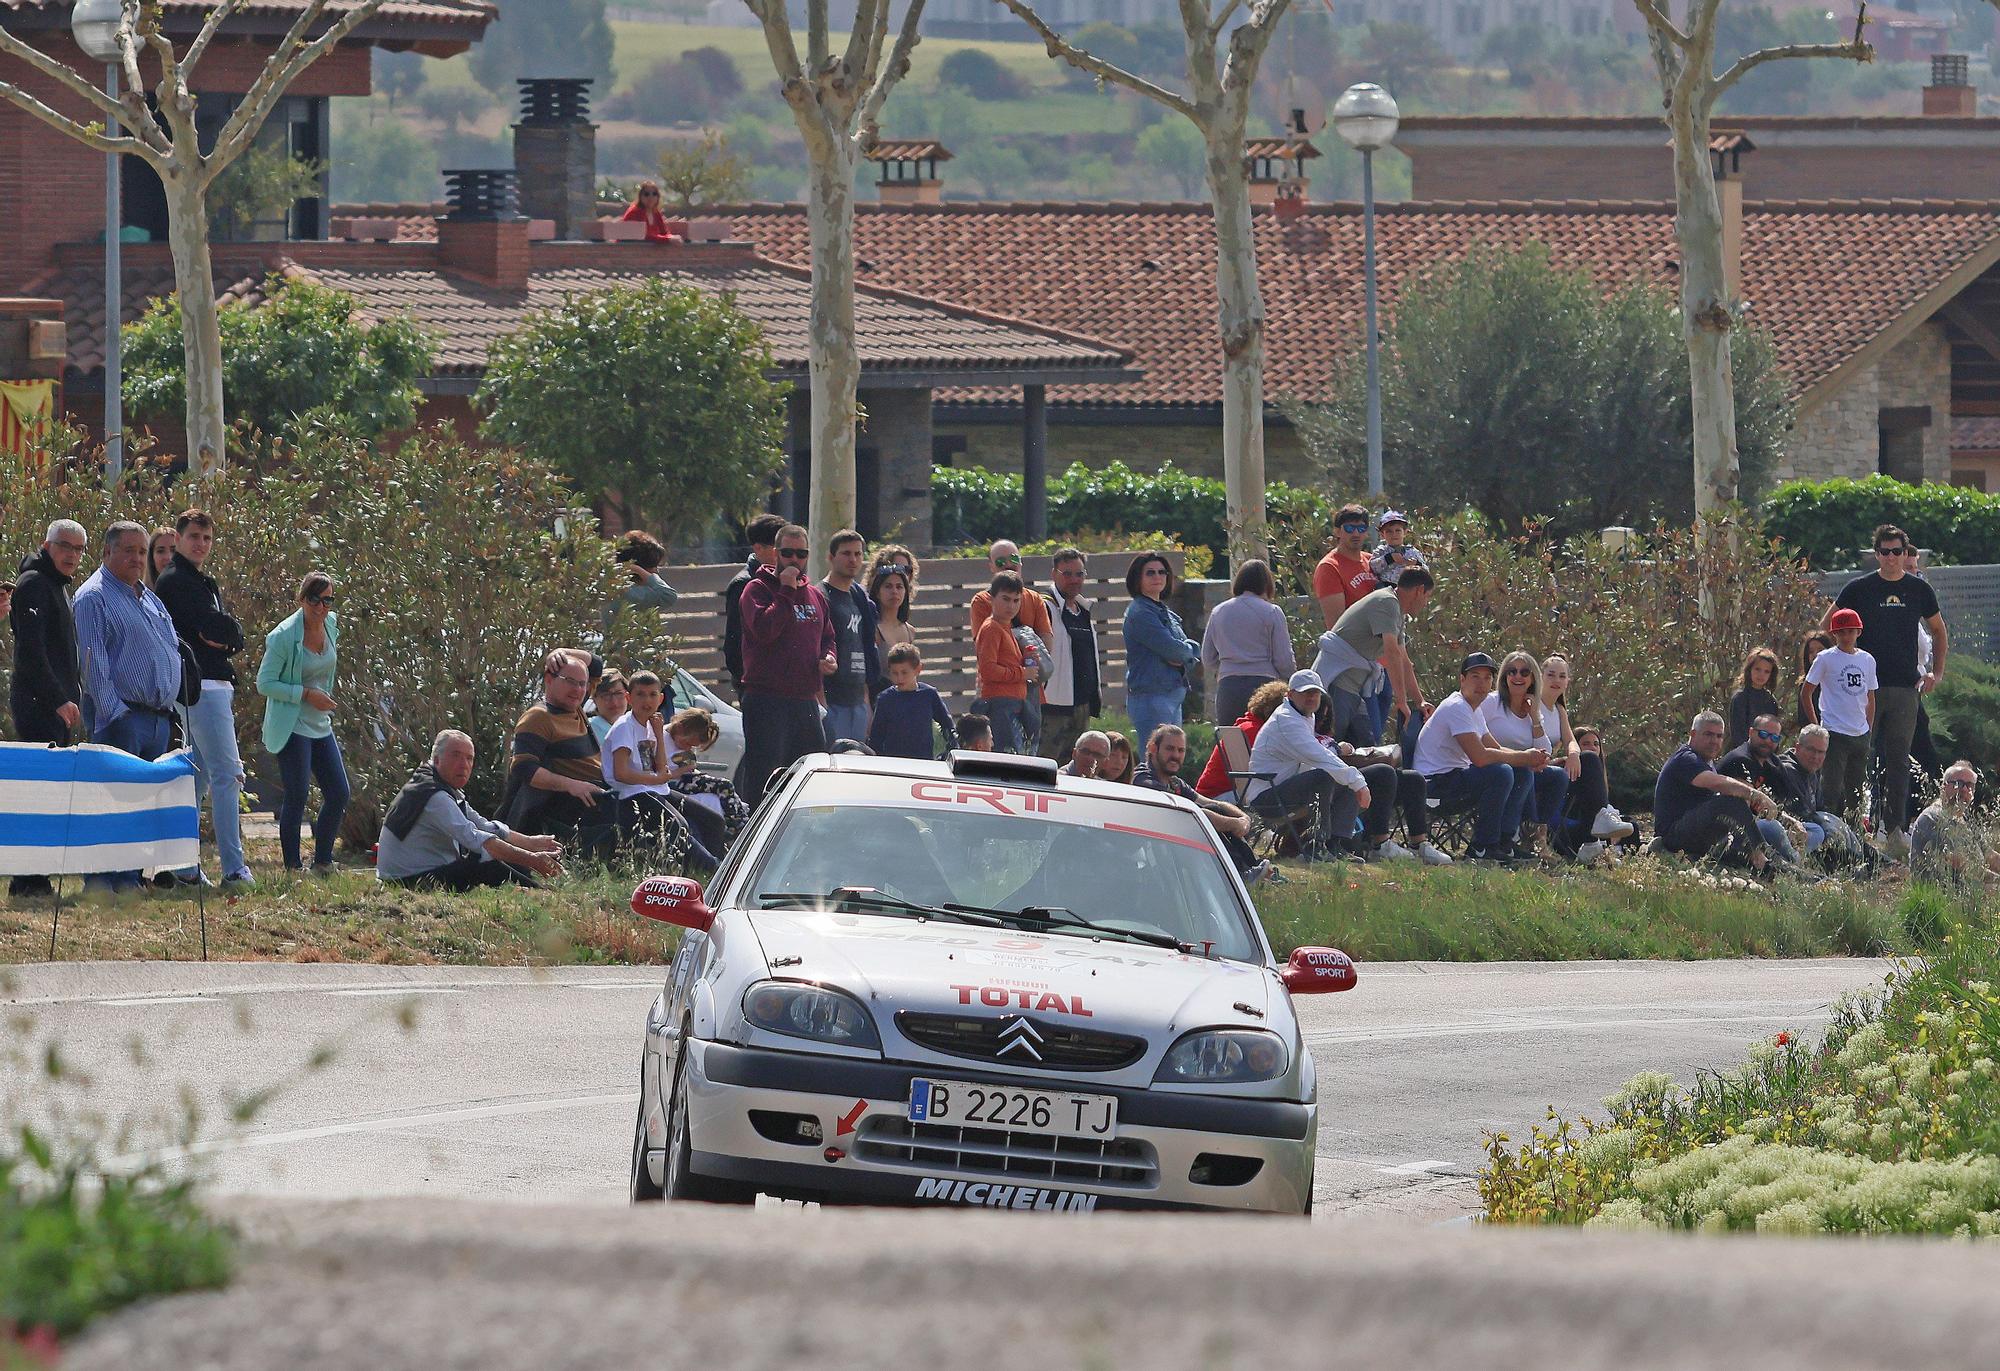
[1171,1151]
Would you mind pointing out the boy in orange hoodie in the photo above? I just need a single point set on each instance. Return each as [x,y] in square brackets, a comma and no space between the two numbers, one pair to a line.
[1003,676]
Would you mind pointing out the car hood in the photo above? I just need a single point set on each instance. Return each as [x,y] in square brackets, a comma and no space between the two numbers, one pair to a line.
[1115,986]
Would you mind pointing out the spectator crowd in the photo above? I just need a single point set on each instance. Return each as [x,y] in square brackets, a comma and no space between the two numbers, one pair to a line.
[1344,757]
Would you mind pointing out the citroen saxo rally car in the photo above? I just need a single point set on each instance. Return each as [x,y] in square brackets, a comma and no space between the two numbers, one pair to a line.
[976,983]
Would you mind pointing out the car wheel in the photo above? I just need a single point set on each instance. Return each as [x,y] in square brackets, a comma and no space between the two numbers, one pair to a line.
[681,1181]
[643,1189]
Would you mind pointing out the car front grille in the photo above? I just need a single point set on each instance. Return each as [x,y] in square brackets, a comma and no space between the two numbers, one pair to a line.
[1055,1046]
[943,1149]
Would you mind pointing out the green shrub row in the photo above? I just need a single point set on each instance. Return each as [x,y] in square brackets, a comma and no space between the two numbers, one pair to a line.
[1830,522]
[974,505]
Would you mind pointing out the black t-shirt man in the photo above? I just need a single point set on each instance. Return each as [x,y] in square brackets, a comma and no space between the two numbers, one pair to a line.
[1890,613]
[853,644]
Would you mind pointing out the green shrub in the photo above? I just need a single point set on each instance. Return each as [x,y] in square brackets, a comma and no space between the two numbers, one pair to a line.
[1199,561]
[1829,523]
[971,505]
[1965,712]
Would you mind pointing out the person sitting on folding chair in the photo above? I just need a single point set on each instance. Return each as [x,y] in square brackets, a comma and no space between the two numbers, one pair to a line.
[1290,768]
[1460,762]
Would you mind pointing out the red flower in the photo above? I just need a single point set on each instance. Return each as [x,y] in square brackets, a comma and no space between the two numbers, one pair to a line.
[1784,1040]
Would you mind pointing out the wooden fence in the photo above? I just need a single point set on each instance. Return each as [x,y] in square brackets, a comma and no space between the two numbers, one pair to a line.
[939,612]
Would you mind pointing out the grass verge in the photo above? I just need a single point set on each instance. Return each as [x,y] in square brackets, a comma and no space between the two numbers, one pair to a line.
[1888,1124]
[1642,908]
[348,917]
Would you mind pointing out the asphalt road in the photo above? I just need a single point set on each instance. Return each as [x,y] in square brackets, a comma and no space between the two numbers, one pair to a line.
[494,1084]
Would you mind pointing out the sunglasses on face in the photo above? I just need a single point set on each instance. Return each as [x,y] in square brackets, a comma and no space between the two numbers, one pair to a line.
[793,554]
[1958,785]
[1890,551]
[1769,736]
[1006,561]
[1519,671]
[1354,528]
[649,195]
[1091,756]
[326,600]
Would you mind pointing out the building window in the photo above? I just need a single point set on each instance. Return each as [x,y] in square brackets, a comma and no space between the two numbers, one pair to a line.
[1972,478]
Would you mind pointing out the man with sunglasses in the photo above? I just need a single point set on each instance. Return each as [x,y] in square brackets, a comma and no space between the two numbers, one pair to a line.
[788,652]
[1755,762]
[1344,575]
[1893,602]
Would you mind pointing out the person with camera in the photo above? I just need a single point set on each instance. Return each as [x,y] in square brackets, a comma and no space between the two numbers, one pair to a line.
[641,555]
[788,652]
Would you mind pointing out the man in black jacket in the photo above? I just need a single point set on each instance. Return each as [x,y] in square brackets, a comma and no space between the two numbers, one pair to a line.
[194,600]
[46,694]
[762,532]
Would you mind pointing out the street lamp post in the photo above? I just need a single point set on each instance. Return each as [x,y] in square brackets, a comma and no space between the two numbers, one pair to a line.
[1366,117]
[94,25]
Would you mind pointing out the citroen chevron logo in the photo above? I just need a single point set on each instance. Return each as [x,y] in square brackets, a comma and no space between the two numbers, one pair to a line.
[1019,1033]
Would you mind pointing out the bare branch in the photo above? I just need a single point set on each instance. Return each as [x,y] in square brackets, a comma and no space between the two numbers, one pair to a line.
[1058,46]
[216,18]
[130,14]
[873,67]
[777,26]
[264,92]
[863,51]
[1657,20]
[90,137]
[894,70]
[1247,46]
[1222,19]
[1856,50]
[60,73]
[816,40]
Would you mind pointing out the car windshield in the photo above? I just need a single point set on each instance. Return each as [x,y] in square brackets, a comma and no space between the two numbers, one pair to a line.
[1143,868]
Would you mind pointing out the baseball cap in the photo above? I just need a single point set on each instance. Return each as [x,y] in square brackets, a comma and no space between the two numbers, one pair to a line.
[1844,618]
[1392,516]
[1307,679]
[1475,660]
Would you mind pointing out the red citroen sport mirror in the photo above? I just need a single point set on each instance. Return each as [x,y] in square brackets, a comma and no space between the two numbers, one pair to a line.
[676,900]
[1317,971]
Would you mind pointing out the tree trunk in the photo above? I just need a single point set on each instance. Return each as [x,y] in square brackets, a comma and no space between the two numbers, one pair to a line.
[1706,317]
[1241,310]
[201,337]
[836,367]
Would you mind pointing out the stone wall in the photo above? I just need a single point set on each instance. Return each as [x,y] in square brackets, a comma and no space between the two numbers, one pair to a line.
[1843,436]
[1195,448]
[897,430]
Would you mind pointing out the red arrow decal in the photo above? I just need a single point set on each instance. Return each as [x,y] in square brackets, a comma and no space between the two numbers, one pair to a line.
[848,1120]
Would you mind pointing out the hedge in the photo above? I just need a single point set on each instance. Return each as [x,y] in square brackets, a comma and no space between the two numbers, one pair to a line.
[1831,522]
[974,505]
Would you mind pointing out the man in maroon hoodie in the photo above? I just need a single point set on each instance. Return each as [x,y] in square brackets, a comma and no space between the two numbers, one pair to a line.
[788,651]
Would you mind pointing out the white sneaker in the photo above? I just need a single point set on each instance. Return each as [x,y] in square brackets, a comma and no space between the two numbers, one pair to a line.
[1257,873]
[1431,856]
[1393,851]
[1588,853]
[1611,824]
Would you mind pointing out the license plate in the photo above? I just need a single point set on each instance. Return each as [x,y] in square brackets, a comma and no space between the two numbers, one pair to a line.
[962,1104]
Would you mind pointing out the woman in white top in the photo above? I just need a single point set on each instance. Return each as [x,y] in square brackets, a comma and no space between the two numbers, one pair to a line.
[1587,822]
[1513,715]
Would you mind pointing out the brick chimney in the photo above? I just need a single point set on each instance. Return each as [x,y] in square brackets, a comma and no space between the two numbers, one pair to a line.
[906,170]
[1725,154]
[482,232]
[1950,95]
[555,153]
[1278,171]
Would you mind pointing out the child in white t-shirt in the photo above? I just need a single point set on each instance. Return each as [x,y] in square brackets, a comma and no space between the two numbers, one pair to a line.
[1844,682]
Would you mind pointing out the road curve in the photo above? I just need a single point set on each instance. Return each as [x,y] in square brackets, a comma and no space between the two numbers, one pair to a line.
[518,1084]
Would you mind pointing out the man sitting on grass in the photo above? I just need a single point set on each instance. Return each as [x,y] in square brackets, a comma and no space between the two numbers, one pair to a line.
[1947,844]
[434,839]
[1828,836]
[1701,813]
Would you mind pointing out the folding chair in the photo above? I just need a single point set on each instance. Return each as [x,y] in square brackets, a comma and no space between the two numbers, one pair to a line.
[1268,835]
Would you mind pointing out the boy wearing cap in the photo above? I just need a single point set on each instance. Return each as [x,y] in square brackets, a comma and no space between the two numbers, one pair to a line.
[1394,553]
[1843,699]
[1460,761]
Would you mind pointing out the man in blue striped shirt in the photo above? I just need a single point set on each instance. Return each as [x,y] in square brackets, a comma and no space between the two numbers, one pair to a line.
[131,657]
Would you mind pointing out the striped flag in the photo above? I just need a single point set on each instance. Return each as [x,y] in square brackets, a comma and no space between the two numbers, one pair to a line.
[73,810]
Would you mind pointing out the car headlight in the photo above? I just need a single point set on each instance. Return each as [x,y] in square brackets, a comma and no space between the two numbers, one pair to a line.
[1218,1055]
[799,1010]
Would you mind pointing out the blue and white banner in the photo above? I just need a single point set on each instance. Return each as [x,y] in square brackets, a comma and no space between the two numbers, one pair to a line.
[67,811]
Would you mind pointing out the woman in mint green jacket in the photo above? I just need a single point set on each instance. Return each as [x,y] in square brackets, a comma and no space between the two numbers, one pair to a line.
[296,681]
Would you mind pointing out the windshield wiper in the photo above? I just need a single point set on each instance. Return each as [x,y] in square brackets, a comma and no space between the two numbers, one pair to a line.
[1043,916]
[867,897]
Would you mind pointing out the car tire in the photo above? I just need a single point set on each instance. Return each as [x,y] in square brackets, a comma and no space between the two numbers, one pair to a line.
[643,1189]
[681,1181]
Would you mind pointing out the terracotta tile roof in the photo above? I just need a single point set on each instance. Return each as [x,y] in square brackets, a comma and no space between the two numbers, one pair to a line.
[1823,278]
[416,220]
[898,331]
[472,15]
[1284,149]
[81,289]
[908,150]
[1975,433]
[1615,123]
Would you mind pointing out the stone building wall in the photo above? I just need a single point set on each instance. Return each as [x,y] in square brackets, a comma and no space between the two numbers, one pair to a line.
[1843,436]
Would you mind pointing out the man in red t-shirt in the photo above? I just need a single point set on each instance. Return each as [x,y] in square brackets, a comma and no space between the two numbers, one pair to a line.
[1343,575]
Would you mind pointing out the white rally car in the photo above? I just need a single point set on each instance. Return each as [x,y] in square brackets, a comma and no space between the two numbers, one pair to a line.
[977,983]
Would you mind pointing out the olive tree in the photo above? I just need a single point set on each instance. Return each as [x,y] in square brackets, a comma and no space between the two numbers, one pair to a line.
[160,130]
[657,391]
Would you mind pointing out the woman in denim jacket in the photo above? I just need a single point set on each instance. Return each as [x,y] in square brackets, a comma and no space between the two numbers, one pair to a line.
[1158,651]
